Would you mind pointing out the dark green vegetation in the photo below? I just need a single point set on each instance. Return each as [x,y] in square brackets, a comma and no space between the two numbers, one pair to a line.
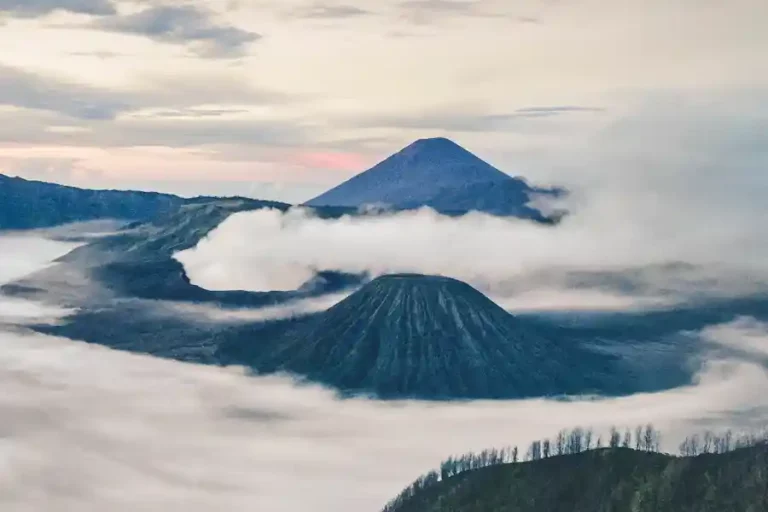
[35,204]
[612,479]
[428,337]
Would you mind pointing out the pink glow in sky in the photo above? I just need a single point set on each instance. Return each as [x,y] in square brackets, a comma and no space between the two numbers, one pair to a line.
[332,160]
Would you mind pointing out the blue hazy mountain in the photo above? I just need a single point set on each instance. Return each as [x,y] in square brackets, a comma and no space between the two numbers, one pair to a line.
[430,337]
[26,204]
[438,173]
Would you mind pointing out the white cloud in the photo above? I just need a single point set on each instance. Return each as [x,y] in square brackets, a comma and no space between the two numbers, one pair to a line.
[18,311]
[745,334]
[198,312]
[268,250]
[23,253]
[87,428]
[676,180]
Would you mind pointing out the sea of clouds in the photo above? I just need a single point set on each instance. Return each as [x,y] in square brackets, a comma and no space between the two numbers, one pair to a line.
[88,428]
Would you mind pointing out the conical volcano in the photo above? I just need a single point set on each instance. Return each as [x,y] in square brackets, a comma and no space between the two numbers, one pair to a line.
[437,173]
[416,336]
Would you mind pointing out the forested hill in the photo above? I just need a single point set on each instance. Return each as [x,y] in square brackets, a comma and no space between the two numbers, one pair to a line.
[26,204]
[607,479]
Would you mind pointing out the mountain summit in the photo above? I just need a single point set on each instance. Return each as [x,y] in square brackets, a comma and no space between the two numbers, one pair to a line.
[438,173]
[427,337]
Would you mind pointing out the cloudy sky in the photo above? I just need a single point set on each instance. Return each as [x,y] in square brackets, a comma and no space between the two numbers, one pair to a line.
[282,99]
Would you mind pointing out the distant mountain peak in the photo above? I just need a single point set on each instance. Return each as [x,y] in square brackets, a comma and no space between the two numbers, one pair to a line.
[435,143]
[414,175]
[438,150]
[438,173]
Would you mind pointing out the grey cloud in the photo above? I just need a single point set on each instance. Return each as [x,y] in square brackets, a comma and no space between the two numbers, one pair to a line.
[425,12]
[437,121]
[438,5]
[160,131]
[35,8]
[461,119]
[99,54]
[23,89]
[428,11]
[332,11]
[183,25]
[204,131]
[560,109]
[195,112]
[61,113]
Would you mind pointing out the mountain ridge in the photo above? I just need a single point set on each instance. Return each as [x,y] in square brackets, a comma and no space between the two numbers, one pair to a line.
[29,204]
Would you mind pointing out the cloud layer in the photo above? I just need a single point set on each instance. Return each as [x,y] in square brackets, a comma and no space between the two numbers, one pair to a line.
[33,8]
[268,250]
[24,253]
[90,429]
[680,219]
[183,24]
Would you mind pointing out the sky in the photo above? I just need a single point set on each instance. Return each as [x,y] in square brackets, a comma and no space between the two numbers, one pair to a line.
[282,100]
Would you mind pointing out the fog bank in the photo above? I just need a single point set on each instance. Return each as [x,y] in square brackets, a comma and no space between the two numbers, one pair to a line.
[667,201]
[90,429]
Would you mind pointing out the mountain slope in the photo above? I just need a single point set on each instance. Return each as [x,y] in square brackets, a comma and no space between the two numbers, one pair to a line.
[120,286]
[34,204]
[431,337]
[503,198]
[615,480]
[435,172]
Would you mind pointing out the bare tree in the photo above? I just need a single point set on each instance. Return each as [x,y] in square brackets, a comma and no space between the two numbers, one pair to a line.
[546,449]
[690,446]
[727,440]
[514,454]
[627,441]
[534,451]
[588,439]
[576,440]
[638,437]
[615,439]
[648,438]
[560,443]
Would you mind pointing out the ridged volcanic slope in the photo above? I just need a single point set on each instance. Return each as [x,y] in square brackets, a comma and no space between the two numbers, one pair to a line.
[422,337]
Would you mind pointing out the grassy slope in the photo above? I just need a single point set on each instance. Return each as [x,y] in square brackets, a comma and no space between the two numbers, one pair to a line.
[618,480]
